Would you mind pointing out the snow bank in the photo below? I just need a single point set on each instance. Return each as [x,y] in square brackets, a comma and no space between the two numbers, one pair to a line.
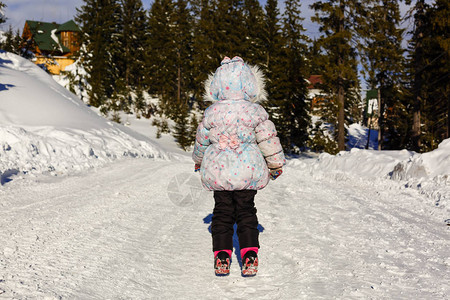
[46,129]
[428,172]
[431,165]
[397,165]
[360,163]
[49,150]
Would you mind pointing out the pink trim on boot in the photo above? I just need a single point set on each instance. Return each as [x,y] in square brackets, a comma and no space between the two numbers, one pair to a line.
[227,251]
[245,250]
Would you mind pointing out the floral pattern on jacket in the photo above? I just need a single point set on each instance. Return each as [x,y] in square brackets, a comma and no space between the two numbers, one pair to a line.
[236,143]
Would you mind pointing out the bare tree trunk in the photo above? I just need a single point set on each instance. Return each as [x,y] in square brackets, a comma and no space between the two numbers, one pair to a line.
[380,121]
[416,125]
[380,100]
[418,61]
[448,118]
[341,92]
[127,52]
[179,80]
[341,118]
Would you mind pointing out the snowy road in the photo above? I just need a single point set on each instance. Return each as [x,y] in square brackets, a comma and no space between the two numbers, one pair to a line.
[138,229]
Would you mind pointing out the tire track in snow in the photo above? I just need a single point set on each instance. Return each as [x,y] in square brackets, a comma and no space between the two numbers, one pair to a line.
[66,237]
[349,239]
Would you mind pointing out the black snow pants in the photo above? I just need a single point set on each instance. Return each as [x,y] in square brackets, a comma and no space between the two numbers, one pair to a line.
[234,207]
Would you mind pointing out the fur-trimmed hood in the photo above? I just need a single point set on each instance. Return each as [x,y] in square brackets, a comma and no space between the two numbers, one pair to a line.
[235,80]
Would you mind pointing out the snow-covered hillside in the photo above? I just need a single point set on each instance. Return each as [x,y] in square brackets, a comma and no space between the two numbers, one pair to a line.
[129,221]
[46,129]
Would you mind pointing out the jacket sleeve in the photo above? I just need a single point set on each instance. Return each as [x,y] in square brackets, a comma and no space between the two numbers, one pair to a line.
[269,143]
[201,143]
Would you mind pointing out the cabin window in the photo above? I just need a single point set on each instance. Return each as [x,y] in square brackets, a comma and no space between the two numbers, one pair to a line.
[65,39]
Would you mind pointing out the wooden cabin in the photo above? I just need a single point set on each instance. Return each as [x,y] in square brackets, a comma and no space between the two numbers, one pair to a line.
[52,44]
[315,93]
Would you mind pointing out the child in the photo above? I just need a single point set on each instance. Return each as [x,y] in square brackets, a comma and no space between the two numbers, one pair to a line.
[236,151]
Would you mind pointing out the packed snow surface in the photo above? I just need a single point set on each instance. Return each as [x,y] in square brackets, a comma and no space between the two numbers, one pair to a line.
[123,224]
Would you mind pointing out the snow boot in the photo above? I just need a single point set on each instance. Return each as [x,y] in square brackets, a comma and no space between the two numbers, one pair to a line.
[249,264]
[222,264]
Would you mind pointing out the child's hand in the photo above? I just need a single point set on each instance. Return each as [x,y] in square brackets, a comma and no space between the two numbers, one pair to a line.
[197,168]
[275,173]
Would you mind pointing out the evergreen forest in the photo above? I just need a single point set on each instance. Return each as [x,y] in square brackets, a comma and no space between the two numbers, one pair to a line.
[131,56]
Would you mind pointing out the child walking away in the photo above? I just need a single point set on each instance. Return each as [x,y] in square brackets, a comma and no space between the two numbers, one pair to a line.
[236,151]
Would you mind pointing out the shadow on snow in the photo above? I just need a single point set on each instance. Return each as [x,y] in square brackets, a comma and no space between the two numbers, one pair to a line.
[237,248]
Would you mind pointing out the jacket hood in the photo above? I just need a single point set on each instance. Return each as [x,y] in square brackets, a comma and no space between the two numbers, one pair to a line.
[235,80]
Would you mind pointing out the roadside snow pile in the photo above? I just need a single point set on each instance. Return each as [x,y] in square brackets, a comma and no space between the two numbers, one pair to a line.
[433,165]
[46,129]
[398,165]
[366,164]
[49,150]
[428,172]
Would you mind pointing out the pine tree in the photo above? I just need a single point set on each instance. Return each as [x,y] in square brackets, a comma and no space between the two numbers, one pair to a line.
[171,53]
[321,140]
[181,129]
[272,39]
[253,35]
[161,61]
[127,54]
[205,55]
[295,109]
[322,129]
[135,25]
[418,63]
[130,47]
[182,32]
[98,23]
[273,64]
[193,126]
[113,51]
[224,28]
[285,61]
[338,21]
[160,52]
[440,83]
[120,99]
[315,58]
[435,74]
[183,48]
[230,22]
[170,40]
[140,106]
[12,41]
[28,47]
[385,65]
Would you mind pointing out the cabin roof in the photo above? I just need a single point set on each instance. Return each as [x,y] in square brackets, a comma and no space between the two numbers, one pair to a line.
[313,80]
[68,26]
[47,35]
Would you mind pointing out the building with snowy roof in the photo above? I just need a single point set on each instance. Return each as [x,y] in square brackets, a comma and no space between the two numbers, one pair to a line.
[53,45]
